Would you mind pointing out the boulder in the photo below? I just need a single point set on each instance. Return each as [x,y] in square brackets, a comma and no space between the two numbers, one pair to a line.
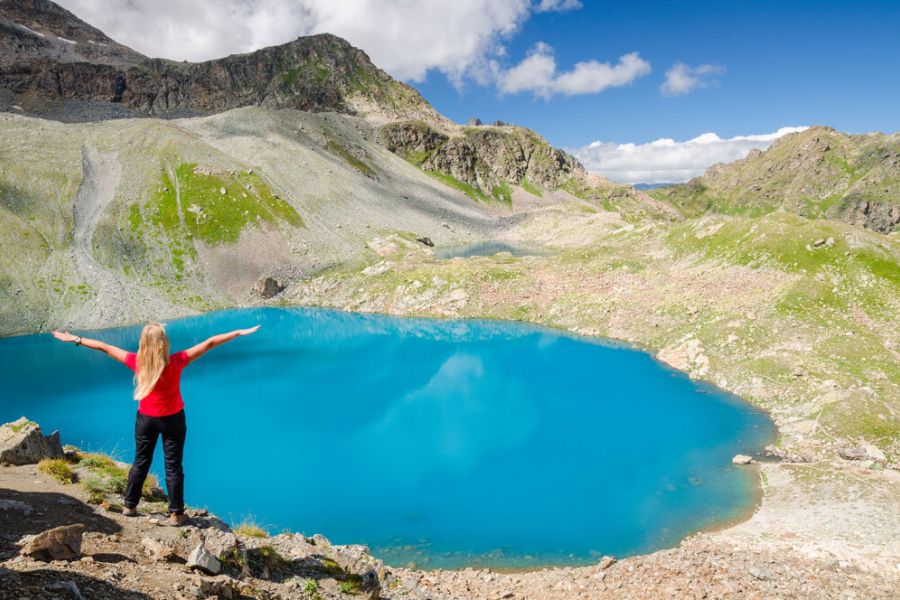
[425,240]
[59,543]
[874,453]
[221,586]
[370,584]
[201,559]
[157,550]
[741,459]
[853,453]
[606,562]
[220,543]
[22,443]
[268,287]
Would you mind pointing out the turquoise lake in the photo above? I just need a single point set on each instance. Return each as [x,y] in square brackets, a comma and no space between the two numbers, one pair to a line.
[443,443]
[487,249]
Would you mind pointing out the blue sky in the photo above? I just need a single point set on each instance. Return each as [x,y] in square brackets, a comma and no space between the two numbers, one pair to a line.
[798,63]
[586,75]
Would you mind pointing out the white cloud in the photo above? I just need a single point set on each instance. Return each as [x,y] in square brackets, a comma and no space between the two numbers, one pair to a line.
[537,74]
[463,39]
[405,38]
[668,161]
[683,79]
[557,5]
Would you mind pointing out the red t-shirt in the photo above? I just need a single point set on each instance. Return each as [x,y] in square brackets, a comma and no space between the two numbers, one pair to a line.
[165,397]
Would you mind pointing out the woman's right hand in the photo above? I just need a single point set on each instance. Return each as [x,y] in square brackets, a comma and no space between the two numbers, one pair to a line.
[63,336]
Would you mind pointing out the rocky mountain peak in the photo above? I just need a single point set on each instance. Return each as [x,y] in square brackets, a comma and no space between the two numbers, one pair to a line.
[52,64]
[48,18]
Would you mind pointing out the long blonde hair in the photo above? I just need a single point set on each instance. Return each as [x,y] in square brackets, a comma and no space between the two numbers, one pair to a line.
[152,358]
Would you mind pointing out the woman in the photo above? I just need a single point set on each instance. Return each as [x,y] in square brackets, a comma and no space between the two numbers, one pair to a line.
[157,379]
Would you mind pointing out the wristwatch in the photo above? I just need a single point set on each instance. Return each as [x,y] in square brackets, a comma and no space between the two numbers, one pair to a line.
[78,341]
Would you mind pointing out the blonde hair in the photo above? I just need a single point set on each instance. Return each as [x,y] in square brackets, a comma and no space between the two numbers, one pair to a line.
[152,358]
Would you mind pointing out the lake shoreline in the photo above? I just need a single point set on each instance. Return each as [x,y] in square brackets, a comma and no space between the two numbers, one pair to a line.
[310,322]
[735,561]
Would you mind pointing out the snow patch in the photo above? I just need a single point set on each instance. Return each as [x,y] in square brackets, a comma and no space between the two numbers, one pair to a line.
[30,30]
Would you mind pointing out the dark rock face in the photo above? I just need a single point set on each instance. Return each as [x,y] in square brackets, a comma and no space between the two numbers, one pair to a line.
[49,57]
[484,156]
[879,215]
[268,287]
[22,443]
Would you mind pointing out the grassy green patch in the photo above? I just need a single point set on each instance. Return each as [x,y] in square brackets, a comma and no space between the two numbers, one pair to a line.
[311,587]
[502,192]
[472,192]
[251,529]
[107,477]
[208,205]
[20,426]
[860,416]
[532,188]
[416,157]
[59,469]
[350,587]
[96,489]
[338,150]
[91,460]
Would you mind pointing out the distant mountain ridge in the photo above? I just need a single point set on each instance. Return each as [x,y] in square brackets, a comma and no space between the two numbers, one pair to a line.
[52,63]
[818,173]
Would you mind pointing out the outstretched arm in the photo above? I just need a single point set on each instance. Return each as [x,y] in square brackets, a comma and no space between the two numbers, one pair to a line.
[112,351]
[216,340]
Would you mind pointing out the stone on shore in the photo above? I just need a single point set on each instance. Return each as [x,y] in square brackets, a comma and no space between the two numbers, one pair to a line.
[741,459]
[606,562]
[220,542]
[201,559]
[22,443]
[59,543]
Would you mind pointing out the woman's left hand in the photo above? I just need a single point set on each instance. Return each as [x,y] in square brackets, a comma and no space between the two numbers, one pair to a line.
[64,336]
[247,331]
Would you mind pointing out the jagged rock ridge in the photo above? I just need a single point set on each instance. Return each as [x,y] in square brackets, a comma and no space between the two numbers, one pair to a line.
[51,63]
[483,156]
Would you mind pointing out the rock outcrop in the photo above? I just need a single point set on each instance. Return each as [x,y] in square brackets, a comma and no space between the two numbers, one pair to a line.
[483,156]
[22,443]
[59,543]
[268,287]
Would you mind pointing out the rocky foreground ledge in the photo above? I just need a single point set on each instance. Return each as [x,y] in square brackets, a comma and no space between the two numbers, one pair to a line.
[824,531]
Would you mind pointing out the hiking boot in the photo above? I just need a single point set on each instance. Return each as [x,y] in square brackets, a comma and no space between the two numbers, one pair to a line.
[176,520]
[129,512]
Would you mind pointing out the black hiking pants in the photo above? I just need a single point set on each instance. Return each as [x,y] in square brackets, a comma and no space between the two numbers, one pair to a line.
[146,431]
